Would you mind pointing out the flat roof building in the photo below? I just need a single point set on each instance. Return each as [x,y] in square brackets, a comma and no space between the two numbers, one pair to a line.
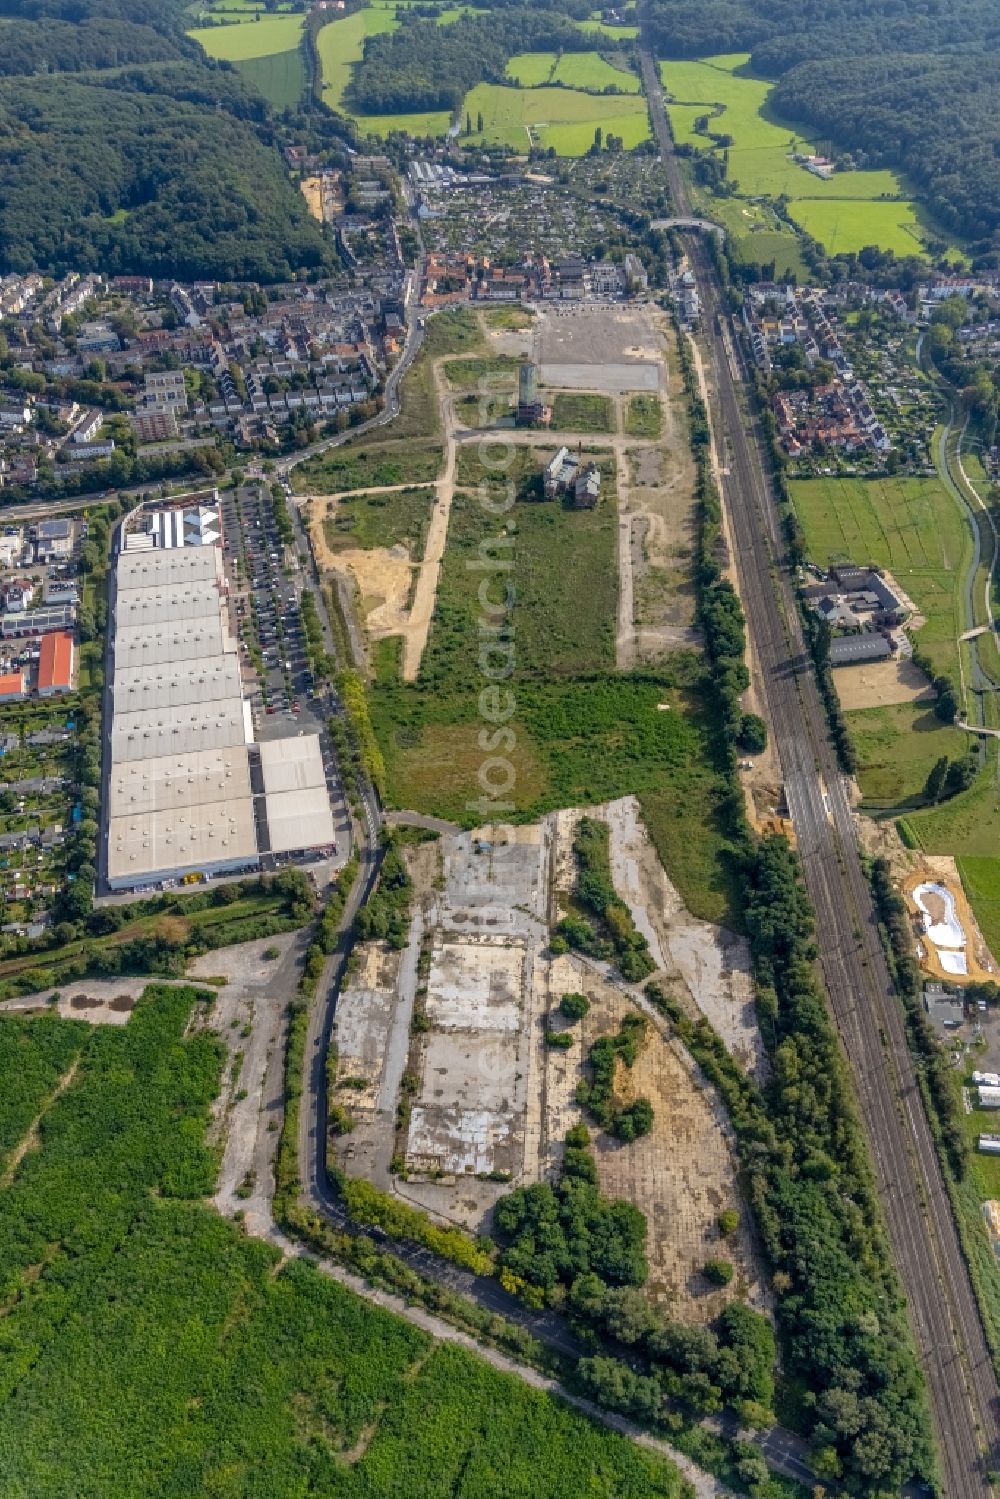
[296,800]
[179,782]
[154,846]
[177,684]
[180,799]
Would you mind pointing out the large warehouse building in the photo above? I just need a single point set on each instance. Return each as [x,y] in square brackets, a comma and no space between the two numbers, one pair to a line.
[188,790]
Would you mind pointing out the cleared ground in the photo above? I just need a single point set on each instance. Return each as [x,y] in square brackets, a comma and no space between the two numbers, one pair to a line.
[612,349]
[487,1095]
[880,683]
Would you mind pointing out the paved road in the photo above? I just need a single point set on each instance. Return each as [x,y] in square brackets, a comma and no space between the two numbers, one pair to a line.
[962,1382]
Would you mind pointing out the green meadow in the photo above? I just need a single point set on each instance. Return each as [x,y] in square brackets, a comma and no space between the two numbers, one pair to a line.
[580,70]
[846,212]
[911,526]
[340,45]
[248,38]
[266,50]
[562,118]
[842,225]
[897,747]
[981,879]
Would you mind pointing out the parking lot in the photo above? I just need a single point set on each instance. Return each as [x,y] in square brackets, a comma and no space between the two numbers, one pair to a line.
[278,683]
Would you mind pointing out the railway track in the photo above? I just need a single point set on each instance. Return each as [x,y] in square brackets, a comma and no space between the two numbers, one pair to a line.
[964,1394]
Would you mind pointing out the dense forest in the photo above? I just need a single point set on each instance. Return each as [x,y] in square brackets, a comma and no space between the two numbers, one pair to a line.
[423,66]
[124,149]
[916,88]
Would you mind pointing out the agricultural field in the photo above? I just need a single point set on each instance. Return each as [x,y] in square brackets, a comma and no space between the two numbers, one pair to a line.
[266,50]
[578,70]
[913,527]
[846,212]
[897,748]
[152,1348]
[562,118]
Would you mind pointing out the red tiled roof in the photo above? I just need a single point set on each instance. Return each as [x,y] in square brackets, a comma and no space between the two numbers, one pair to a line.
[11,682]
[55,661]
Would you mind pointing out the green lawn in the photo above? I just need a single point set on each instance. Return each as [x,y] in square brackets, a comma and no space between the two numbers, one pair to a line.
[562,118]
[644,416]
[576,412]
[966,826]
[897,747]
[251,38]
[382,520]
[151,1348]
[913,527]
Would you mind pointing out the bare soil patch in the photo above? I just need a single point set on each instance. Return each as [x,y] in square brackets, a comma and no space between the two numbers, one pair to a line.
[880,683]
